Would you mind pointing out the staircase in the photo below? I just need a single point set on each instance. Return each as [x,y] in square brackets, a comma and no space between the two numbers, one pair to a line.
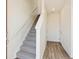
[28,48]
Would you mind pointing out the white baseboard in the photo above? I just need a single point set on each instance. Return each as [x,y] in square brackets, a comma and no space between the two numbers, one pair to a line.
[54,40]
[70,55]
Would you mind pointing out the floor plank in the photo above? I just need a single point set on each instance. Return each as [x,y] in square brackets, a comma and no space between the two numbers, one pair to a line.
[54,50]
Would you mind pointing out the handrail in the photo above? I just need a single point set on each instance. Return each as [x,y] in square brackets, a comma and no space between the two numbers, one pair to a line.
[39,23]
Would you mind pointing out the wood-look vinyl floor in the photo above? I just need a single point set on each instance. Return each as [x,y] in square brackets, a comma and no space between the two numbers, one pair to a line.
[55,51]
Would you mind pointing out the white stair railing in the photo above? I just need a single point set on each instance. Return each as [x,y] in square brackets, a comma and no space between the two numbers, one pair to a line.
[41,33]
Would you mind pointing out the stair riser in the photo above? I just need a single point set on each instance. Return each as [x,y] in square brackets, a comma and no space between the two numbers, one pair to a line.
[30,50]
[33,31]
[31,45]
[31,35]
[22,55]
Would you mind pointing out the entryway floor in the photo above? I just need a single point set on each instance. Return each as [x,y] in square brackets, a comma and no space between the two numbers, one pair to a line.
[54,50]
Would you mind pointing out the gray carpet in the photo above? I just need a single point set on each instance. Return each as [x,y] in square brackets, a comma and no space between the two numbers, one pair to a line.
[28,48]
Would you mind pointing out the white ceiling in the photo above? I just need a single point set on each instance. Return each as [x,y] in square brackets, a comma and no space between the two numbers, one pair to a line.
[55,5]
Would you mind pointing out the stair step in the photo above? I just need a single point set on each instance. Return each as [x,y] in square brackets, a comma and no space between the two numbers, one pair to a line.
[30,43]
[29,37]
[28,49]
[33,28]
[23,55]
[32,38]
[32,34]
[33,31]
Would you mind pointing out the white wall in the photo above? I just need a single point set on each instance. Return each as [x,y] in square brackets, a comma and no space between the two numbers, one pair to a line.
[59,27]
[20,17]
[41,39]
[53,27]
[65,27]
[57,4]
